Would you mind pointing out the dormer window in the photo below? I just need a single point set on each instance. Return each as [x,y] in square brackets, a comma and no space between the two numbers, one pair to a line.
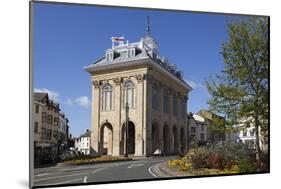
[109,56]
[131,52]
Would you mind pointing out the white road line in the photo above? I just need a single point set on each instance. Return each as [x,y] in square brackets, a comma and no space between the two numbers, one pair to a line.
[50,178]
[150,171]
[85,179]
[135,165]
[41,174]
[95,171]
[64,182]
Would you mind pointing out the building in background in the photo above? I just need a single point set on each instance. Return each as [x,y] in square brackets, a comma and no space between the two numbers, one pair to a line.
[211,119]
[198,129]
[50,128]
[201,128]
[247,135]
[83,143]
[156,94]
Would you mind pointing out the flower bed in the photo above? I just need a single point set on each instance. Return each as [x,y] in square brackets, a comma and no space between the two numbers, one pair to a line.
[100,159]
[223,158]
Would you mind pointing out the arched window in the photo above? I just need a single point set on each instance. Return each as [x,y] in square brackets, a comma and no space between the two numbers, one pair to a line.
[128,94]
[155,96]
[165,101]
[107,97]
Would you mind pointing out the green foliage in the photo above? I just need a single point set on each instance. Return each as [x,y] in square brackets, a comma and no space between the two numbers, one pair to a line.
[198,157]
[219,156]
[247,166]
[240,91]
[217,125]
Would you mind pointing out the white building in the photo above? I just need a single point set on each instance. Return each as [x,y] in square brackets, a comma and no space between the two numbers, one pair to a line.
[247,136]
[82,144]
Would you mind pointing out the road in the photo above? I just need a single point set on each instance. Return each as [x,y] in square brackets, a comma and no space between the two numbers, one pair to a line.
[146,168]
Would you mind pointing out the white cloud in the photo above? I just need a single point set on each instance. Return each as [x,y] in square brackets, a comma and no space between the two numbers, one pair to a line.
[194,85]
[52,94]
[69,102]
[83,101]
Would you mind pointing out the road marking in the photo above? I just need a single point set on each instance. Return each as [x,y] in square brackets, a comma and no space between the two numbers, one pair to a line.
[64,182]
[95,171]
[50,178]
[135,165]
[85,179]
[150,171]
[41,174]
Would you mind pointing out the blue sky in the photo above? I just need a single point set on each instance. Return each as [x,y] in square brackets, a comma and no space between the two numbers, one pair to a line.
[70,37]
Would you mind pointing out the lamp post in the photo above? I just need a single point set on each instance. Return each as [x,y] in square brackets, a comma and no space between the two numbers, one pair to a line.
[126,128]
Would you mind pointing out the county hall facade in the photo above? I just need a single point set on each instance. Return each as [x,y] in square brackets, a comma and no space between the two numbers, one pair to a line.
[157,95]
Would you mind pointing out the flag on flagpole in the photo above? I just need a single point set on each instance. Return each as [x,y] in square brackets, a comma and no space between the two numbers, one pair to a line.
[117,39]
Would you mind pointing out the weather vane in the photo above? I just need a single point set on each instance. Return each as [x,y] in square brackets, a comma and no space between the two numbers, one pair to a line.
[148,26]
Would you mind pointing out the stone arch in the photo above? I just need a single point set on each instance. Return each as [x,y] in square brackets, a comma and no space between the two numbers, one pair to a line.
[175,138]
[155,139]
[106,139]
[131,138]
[165,138]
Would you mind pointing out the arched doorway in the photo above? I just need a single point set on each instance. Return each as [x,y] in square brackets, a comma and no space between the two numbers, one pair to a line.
[175,139]
[131,138]
[106,139]
[155,139]
[165,138]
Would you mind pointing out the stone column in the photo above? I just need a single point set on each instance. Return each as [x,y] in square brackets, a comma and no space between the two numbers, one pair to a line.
[117,123]
[148,123]
[178,97]
[144,113]
[139,127]
[160,126]
[95,117]
[170,124]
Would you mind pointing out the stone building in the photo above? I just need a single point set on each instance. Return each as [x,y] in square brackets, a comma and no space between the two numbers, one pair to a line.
[212,119]
[50,128]
[198,129]
[156,95]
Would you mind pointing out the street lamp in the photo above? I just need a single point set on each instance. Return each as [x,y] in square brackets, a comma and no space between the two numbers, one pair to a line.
[126,128]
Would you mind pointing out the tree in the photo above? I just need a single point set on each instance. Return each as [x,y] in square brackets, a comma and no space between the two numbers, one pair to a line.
[240,91]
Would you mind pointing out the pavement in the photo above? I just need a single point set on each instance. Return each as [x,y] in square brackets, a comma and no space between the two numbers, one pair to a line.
[137,169]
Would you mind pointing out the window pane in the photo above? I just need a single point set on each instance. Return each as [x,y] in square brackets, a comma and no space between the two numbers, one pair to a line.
[103,100]
[108,100]
[129,91]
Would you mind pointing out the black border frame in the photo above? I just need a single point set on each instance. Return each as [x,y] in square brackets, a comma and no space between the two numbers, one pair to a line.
[31,150]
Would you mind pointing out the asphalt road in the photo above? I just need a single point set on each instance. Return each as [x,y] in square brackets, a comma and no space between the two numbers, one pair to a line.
[146,168]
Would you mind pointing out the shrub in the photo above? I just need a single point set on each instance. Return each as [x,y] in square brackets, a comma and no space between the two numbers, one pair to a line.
[216,161]
[222,156]
[185,166]
[197,157]
[247,166]
[175,163]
